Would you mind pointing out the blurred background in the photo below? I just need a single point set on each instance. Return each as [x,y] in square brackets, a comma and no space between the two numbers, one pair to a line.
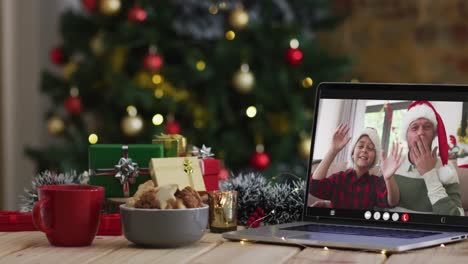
[237,76]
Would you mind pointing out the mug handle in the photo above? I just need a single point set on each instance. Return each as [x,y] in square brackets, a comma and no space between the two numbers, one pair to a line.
[38,218]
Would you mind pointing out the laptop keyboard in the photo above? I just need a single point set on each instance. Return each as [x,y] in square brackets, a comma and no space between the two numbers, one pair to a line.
[362,231]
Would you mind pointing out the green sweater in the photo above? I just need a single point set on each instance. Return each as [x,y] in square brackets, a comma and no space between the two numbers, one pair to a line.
[427,193]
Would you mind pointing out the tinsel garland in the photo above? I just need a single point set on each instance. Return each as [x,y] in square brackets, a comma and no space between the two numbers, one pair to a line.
[48,178]
[281,202]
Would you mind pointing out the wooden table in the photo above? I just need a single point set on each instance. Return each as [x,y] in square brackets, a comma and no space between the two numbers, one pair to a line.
[33,247]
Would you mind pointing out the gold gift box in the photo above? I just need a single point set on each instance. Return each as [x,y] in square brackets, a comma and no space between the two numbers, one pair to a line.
[174,145]
[184,171]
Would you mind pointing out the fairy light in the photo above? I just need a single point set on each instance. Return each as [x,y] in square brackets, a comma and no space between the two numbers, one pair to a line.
[157,119]
[307,82]
[93,138]
[242,242]
[74,91]
[157,79]
[200,65]
[383,252]
[325,248]
[158,93]
[251,111]
[230,35]
[283,238]
[131,110]
[213,10]
[442,245]
[294,43]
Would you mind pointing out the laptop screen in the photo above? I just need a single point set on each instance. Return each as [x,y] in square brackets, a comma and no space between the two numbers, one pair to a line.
[390,153]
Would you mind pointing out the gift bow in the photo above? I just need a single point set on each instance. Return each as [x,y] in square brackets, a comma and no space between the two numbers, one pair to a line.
[202,153]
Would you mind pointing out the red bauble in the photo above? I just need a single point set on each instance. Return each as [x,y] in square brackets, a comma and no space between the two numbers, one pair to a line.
[223,174]
[260,160]
[73,105]
[137,14]
[152,62]
[56,56]
[172,127]
[294,56]
[89,5]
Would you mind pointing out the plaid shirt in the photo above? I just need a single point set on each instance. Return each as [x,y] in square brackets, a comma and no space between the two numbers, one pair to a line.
[345,190]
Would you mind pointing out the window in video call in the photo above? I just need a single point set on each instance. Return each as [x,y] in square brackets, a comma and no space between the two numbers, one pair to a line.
[388,155]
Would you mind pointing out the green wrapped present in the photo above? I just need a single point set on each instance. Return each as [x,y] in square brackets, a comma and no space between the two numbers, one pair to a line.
[174,145]
[120,169]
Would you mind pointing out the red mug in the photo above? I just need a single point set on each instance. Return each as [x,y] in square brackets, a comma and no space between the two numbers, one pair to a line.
[69,214]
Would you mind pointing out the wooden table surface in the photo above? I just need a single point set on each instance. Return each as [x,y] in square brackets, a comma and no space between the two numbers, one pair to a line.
[33,247]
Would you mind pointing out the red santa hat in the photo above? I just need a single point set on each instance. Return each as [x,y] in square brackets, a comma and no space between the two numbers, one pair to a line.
[424,109]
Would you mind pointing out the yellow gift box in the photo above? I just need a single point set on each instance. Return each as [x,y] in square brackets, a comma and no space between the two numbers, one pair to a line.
[184,171]
[174,145]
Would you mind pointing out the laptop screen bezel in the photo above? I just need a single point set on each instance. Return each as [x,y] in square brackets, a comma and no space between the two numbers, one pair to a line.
[378,91]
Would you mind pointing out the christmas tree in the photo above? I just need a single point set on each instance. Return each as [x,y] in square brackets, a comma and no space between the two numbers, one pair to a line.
[237,76]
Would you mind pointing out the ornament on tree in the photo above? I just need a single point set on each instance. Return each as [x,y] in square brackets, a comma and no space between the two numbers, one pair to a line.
[55,125]
[239,19]
[223,174]
[89,5]
[294,56]
[132,124]
[152,61]
[304,146]
[97,44]
[73,102]
[243,80]
[137,14]
[109,7]
[260,160]
[172,127]
[69,69]
[56,56]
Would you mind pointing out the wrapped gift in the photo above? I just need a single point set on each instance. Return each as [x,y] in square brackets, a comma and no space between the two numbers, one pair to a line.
[121,168]
[110,225]
[16,221]
[174,145]
[210,169]
[184,171]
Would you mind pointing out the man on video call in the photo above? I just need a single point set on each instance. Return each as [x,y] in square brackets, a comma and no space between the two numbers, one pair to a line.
[427,184]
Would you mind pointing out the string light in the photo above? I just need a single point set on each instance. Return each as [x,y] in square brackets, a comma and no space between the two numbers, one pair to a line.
[442,245]
[230,35]
[213,10]
[294,43]
[200,65]
[131,110]
[325,248]
[157,79]
[242,242]
[383,252]
[93,138]
[158,93]
[157,119]
[307,82]
[251,111]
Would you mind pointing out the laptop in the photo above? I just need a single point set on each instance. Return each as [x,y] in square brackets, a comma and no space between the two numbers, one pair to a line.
[379,228]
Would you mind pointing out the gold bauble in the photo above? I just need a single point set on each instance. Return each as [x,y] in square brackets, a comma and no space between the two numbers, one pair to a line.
[304,147]
[118,58]
[69,69]
[55,125]
[243,81]
[96,44]
[109,7]
[131,125]
[239,19]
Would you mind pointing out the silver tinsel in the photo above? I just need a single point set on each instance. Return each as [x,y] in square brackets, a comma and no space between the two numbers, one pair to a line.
[281,202]
[48,178]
